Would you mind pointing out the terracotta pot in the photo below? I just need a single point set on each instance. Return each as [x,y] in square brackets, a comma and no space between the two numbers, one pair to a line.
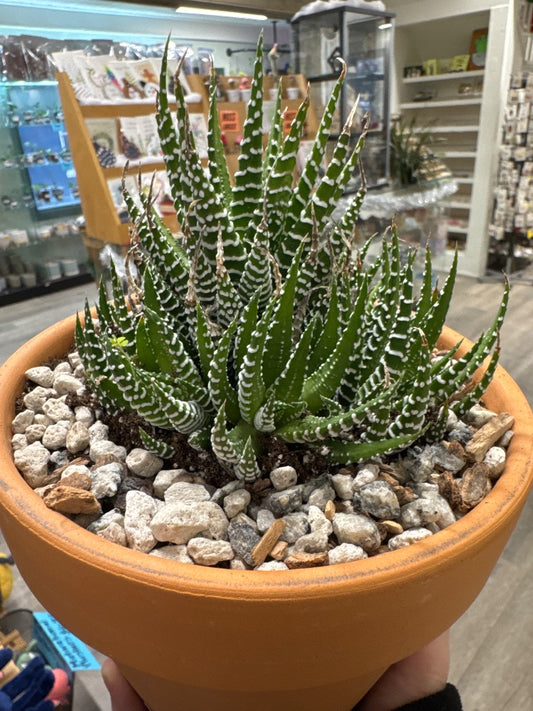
[194,638]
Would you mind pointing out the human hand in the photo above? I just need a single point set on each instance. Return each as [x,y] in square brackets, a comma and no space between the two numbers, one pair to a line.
[28,690]
[123,696]
[422,674]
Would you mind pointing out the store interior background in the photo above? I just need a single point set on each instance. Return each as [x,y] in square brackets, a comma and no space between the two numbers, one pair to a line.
[487,681]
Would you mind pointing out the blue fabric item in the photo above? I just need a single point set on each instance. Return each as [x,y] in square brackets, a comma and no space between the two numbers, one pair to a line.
[6,655]
[27,691]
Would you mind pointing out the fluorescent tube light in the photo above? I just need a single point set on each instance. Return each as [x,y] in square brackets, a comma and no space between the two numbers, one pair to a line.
[221,13]
[385,25]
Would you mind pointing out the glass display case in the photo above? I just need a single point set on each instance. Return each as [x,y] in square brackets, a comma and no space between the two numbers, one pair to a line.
[40,243]
[363,39]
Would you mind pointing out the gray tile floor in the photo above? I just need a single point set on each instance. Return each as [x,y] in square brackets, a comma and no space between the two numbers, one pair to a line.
[492,653]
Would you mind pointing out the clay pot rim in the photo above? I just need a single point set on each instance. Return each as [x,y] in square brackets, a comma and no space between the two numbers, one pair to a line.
[374,573]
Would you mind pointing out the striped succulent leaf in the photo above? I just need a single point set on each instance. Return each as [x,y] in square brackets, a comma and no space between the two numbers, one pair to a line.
[261,320]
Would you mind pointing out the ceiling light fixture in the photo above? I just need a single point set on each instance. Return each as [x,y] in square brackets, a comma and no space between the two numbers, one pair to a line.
[386,24]
[221,13]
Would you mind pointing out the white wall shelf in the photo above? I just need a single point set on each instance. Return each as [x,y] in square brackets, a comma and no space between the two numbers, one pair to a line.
[442,103]
[470,123]
[458,154]
[444,77]
[474,128]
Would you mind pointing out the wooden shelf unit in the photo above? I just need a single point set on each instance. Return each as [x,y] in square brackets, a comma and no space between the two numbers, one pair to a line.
[101,216]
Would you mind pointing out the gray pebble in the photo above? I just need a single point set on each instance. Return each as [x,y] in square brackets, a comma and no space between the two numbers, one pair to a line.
[243,539]
[296,526]
[219,494]
[356,529]
[379,500]
[314,542]
[460,433]
[284,502]
[264,519]
[420,512]
[478,416]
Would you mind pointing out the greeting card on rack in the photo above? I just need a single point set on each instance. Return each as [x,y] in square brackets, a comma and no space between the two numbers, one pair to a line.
[199,129]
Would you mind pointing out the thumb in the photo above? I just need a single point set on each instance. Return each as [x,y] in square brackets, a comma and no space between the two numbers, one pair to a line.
[123,696]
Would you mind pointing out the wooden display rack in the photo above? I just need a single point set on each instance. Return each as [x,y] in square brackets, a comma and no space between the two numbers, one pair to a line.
[103,225]
[101,217]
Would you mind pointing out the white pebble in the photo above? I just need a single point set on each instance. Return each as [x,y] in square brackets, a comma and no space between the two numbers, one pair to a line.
[179,522]
[84,414]
[103,446]
[166,477]
[65,383]
[23,420]
[41,375]
[283,478]
[236,502]
[345,553]
[495,459]
[35,432]
[55,436]
[32,462]
[78,437]
[98,431]
[57,410]
[186,492]
[106,479]
[176,553]
[18,441]
[140,510]
[365,476]
[63,367]
[208,552]
[143,463]
[407,538]
[35,399]
[270,565]
[344,485]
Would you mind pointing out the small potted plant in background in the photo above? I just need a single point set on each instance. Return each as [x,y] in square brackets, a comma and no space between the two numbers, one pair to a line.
[258,341]
[413,159]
